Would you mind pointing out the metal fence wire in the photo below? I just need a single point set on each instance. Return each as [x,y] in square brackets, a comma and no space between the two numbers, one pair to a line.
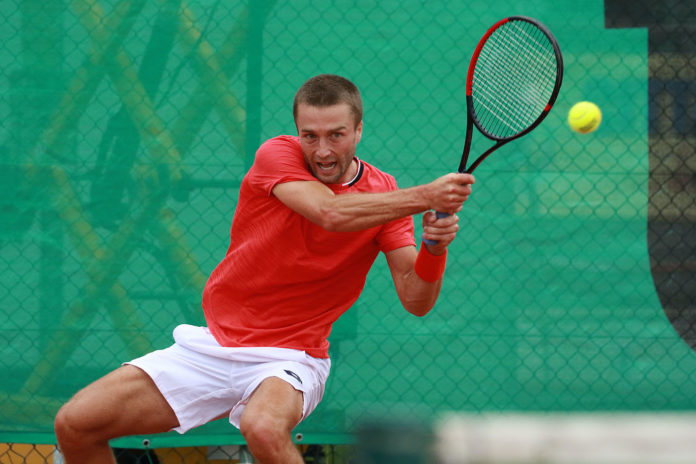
[128,125]
[228,454]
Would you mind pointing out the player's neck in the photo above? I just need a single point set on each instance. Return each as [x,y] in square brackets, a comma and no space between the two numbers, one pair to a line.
[352,172]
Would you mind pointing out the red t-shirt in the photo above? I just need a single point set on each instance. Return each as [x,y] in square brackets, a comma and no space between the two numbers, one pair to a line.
[285,280]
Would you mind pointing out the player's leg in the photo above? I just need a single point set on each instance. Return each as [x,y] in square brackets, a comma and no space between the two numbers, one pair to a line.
[273,410]
[124,402]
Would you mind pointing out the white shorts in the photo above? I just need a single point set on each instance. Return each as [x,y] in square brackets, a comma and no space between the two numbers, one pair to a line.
[202,380]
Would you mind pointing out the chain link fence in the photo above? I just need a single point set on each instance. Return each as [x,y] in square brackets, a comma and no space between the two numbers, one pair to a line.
[228,454]
[128,126]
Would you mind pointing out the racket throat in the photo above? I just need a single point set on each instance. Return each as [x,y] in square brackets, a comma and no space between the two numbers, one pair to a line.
[485,154]
[467,143]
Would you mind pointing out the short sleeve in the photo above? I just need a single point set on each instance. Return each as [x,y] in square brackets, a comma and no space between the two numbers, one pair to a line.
[278,160]
[399,232]
[396,234]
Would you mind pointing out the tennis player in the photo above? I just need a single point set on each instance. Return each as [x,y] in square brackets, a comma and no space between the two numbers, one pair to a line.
[310,221]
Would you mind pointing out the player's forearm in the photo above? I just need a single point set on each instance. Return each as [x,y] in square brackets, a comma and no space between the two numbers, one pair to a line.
[417,277]
[418,296]
[358,211]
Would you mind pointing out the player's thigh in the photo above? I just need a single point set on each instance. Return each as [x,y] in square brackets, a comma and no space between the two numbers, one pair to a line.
[274,404]
[124,402]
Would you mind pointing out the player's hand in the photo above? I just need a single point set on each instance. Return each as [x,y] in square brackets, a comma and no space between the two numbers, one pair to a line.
[447,193]
[442,231]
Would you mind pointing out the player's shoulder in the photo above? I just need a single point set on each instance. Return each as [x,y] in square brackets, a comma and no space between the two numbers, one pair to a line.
[281,142]
[279,149]
[376,175]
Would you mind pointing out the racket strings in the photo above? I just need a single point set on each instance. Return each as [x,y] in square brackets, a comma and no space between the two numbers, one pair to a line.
[514,92]
[512,102]
[513,79]
[540,63]
[502,47]
[507,51]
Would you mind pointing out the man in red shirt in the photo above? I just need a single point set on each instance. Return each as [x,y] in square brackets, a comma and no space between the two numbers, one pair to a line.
[310,221]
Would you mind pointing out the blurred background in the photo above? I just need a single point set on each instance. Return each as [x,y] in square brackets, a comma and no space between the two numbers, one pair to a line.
[128,125]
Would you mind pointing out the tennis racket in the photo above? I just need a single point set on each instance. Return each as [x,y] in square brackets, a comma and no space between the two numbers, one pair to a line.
[513,81]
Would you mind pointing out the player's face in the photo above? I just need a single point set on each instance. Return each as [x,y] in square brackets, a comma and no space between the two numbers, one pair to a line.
[329,136]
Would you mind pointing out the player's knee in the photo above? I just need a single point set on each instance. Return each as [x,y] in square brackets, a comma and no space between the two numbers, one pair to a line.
[66,426]
[74,427]
[264,433]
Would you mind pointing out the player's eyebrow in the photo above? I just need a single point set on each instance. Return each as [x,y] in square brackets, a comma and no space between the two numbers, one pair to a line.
[334,129]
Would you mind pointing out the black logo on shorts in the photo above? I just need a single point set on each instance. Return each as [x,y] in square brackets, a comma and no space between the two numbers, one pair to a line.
[292,374]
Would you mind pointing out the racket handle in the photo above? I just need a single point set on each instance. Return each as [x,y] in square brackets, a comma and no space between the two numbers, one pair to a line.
[439,216]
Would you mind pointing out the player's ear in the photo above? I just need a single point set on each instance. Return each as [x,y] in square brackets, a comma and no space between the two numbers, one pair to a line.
[358,132]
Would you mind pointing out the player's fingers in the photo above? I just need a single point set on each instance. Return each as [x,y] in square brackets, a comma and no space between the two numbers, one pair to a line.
[448,225]
[441,239]
[456,201]
[440,226]
[461,186]
[429,217]
[452,206]
[441,232]
[460,178]
[445,221]
[463,194]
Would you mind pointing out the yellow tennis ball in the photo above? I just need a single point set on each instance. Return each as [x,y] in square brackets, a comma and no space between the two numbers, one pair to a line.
[584,117]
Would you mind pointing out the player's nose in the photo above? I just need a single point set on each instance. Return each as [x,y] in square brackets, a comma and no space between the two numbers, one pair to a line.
[323,150]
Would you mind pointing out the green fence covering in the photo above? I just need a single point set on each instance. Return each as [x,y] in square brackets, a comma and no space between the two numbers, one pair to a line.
[128,125]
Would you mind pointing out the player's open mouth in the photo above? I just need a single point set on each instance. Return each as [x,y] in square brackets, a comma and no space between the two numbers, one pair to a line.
[326,166]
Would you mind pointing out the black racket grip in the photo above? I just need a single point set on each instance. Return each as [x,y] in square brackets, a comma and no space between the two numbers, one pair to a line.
[434,242]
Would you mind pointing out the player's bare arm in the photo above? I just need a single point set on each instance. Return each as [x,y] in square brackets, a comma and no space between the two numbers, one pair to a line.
[439,232]
[418,296]
[357,211]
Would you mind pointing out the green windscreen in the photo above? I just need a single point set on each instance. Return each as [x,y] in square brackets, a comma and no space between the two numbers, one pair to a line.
[127,127]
